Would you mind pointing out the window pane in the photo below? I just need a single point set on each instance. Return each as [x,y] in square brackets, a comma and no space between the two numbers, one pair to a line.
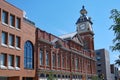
[25,62]
[58,60]
[29,63]
[17,61]
[47,58]
[63,61]
[53,60]
[28,55]
[2,60]
[5,17]
[28,52]
[10,60]
[11,40]
[18,42]
[76,63]
[41,57]
[4,38]
[72,63]
[25,51]
[12,20]
[18,23]
[29,78]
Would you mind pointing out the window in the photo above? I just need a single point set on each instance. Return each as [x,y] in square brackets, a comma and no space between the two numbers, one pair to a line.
[0,14]
[99,71]
[59,60]
[18,23]
[68,61]
[17,63]
[76,63]
[53,59]
[63,61]
[73,63]
[98,58]
[27,78]
[86,45]
[11,40]
[5,17]
[28,55]
[98,53]
[10,61]
[12,20]
[41,57]
[17,42]
[47,58]
[3,59]
[99,64]
[4,38]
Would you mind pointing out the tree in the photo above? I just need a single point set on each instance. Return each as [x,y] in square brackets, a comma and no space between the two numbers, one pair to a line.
[95,78]
[115,16]
[118,61]
[51,76]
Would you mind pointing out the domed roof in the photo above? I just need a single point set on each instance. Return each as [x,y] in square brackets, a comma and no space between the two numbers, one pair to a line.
[83,11]
[83,17]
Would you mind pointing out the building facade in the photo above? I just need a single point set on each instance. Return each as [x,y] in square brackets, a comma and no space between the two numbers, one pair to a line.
[29,53]
[103,64]
[17,39]
[114,72]
[67,57]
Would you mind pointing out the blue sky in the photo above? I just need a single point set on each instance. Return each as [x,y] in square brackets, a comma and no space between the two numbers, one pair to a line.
[59,17]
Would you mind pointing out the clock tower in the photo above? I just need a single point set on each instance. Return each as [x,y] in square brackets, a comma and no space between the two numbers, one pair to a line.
[84,30]
[84,23]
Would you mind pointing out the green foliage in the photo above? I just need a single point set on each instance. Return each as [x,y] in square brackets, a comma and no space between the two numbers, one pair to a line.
[115,16]
[51,76]
[95,78]
[118,61]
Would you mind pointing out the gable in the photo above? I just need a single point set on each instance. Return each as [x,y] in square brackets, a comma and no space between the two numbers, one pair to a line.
[68,36]
[74,37]
[77,38]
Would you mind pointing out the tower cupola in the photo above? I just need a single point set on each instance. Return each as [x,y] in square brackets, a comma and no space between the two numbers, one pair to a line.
[84,23]
[83,11]
[83,16]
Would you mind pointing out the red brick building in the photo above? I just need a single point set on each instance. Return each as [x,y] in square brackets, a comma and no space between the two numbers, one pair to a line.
[17,35]
[29,53]
[67,57]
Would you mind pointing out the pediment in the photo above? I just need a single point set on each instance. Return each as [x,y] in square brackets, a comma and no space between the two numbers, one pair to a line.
[74,37]
[78,39]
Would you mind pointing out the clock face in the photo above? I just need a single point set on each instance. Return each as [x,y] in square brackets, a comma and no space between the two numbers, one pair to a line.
[82,26]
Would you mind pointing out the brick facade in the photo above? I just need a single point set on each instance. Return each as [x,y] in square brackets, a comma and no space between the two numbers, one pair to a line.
[26,32]
[69,50]
[50,55]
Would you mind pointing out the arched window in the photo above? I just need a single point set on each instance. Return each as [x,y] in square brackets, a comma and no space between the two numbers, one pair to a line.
[28,55]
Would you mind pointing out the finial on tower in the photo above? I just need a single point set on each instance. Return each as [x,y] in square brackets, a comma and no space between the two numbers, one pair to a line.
[83,11]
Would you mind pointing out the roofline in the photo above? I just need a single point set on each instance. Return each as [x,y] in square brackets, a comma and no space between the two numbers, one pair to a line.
[37,28]
[29,21]
[13,5]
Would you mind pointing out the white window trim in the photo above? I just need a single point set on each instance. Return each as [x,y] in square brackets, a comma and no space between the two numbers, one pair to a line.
[4,24]
[18,48]
[12,26]
[4,45]
[11,47]
[10,67]
[17,68]
[17,29]
[3,67]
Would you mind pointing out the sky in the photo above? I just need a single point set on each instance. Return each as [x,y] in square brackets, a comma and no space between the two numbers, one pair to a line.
[59,17]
